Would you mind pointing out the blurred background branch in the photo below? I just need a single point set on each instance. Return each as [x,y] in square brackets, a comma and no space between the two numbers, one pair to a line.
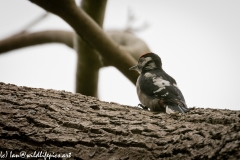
[29,39]
[131,19]
[91,33]
[95,49]
[33,23]
[88,63]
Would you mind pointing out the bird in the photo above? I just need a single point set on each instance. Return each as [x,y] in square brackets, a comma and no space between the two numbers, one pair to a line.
[156,89]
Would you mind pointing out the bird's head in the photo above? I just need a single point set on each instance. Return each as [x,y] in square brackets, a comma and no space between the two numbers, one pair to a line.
[147,62]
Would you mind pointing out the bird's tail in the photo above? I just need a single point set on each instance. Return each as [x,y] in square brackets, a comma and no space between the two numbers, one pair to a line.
[177,108]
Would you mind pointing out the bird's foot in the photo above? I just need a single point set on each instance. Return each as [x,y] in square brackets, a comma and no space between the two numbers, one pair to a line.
[143,107]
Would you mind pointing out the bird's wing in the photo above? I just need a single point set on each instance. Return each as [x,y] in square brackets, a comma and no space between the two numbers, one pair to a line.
[158,87]
[173,81]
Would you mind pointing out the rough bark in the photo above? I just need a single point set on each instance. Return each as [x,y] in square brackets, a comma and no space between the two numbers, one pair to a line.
[73,124]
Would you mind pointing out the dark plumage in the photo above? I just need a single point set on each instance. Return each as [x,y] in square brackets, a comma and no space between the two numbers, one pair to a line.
[156,89]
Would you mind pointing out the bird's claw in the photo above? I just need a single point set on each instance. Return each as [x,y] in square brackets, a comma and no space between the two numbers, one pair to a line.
[143,107]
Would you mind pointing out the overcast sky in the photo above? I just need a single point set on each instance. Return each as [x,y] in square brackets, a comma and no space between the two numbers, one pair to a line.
[198,41]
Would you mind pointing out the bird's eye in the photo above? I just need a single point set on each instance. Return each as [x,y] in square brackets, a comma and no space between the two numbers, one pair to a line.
[163,83]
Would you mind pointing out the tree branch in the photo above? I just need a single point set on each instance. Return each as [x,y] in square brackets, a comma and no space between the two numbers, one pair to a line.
[91,33]
[30,39]
[33,23]
[129,43]
[88,63]
[126,41]
[61,122]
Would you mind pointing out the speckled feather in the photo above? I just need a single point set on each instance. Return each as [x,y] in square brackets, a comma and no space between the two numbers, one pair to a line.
[150,88]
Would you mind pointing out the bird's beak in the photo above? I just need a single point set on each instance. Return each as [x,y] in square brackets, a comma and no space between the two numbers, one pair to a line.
[134,68]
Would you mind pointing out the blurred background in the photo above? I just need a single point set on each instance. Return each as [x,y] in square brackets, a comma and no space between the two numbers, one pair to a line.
[198,41]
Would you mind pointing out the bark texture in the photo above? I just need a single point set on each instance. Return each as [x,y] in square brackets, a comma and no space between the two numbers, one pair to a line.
[33,119]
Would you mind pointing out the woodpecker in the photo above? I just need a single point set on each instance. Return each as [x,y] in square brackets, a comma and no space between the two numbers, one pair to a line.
[157,90]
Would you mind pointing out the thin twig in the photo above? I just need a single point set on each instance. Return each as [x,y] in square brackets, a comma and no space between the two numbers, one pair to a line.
[32,23]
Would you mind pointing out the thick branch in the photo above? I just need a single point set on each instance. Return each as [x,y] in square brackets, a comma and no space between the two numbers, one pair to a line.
[88,63]
[91,33]
[62,122]
[126,41]
[29,39]
[129,43]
